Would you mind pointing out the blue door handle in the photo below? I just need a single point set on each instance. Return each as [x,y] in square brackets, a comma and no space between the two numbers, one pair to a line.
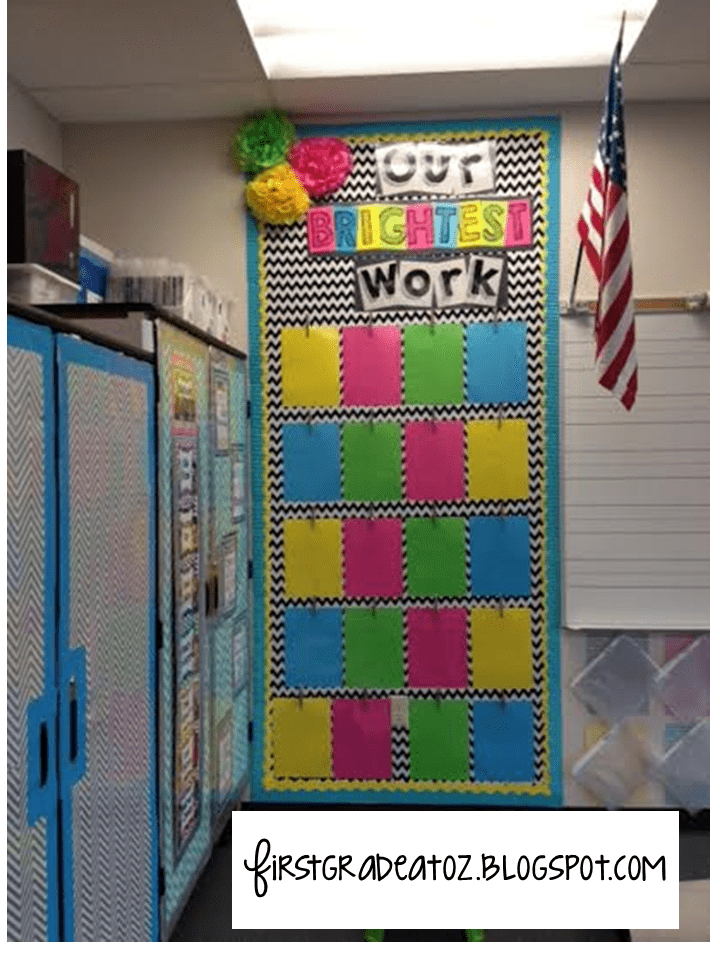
[73,702]
[41,759]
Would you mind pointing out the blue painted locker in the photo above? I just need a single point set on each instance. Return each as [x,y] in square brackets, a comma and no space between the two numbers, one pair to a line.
[32,786]
[82,804]
[106,640]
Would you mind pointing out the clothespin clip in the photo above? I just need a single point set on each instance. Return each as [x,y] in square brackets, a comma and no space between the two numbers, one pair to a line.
[495,318]
[307,325]
[300,698]
[500,606]
[313,605]
[373,609]
[433,513]
[364,698]
[500,415]
[437,700]
[503,703]
[371,512]
[503,509]
[312,515]
[435,605]
[308,417]
[432,319]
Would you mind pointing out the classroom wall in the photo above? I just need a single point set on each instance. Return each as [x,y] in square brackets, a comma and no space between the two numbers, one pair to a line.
[170,189]
[30,127]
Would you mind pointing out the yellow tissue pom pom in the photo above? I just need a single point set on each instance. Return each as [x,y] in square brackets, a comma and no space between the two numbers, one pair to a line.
[277,196]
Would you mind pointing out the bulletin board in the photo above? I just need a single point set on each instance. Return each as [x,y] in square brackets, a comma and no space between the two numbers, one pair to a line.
[405,470]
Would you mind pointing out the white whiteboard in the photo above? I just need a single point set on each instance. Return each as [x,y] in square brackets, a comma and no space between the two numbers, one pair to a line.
[636,486]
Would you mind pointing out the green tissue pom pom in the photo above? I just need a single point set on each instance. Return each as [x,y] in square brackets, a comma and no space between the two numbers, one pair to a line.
[263,142]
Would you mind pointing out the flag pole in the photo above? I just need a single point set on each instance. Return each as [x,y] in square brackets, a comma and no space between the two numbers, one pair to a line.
[578,261]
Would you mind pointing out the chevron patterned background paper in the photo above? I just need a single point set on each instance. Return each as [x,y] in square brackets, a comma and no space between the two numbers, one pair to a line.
[439,679]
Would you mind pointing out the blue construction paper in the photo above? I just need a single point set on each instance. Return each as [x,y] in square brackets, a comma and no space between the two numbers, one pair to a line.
[496,362]
[500,556]
[503,741]
[311,462]
[313,647]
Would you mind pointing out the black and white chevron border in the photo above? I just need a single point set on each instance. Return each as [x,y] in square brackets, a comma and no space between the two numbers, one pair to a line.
[301,289]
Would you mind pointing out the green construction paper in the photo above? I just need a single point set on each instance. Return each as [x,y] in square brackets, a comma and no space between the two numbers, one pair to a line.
[435,551]
[438,740]
[433,363]
[371,461]
[373,649]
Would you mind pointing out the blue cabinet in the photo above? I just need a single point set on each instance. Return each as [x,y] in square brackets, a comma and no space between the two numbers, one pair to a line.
[82,708]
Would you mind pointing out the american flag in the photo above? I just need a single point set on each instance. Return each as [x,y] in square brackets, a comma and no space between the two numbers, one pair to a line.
[605,234]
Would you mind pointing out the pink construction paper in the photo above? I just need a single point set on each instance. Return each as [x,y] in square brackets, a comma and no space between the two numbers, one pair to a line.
[371,366]
[518,231]
[437,642]
[373,558]
[321,230]
[435,460]
[419,223]
[361,740]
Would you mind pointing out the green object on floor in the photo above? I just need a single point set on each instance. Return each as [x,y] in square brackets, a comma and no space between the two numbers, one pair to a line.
[475,936]
[375,935]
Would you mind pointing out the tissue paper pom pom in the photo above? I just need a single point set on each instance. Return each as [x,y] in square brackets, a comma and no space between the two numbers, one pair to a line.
[263,142]
[277,196]
[322,164]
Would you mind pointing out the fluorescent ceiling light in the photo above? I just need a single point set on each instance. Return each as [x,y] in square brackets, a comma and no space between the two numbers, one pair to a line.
[325,38]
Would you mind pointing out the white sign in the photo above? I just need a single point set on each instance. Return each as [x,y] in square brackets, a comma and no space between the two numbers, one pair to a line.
[464,869]
[441,169]
[388,284]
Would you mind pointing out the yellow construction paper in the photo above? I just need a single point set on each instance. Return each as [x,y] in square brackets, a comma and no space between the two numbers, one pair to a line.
[368,227]
[313,558]
[301,737]
[501,649]
[310,366]
[498,459]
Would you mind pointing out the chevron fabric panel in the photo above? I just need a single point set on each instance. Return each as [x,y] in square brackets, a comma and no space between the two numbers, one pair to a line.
[178,351]
[27,877]
[110,569]
[427,532]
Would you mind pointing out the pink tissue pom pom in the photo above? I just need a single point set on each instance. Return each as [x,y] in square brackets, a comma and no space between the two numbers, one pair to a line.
[321,164]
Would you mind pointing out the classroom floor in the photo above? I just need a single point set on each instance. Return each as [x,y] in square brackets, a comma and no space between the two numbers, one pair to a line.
[208,913]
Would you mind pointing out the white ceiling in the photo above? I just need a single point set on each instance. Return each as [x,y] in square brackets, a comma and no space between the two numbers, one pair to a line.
[114,60]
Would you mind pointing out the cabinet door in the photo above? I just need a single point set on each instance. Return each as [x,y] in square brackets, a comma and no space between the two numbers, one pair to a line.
[32,867]
[228,628]
[107,644]
[184,684]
